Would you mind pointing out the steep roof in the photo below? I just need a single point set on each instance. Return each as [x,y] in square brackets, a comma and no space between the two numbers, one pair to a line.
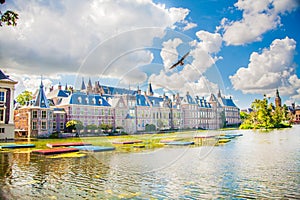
[227,102]
[83,85]
[115,90]
[57,93]
[5,77]
[41,99]
[80,98]
[141,100]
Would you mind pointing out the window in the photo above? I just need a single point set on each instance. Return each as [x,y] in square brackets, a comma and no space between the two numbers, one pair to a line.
[100,101]
[62,116]
[44,114]
[2,96]
[44,125]
[2,115]
[79,99]
[34,126]
[87,100]
[34,114]
[61,126]
[2,130]
[54,125]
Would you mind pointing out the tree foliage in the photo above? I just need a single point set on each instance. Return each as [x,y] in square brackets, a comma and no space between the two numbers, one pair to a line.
[8,17]
[24,97]
[265,115]
[92,127]
[74,125]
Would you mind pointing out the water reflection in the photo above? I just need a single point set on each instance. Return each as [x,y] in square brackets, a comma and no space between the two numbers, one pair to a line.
[257,165]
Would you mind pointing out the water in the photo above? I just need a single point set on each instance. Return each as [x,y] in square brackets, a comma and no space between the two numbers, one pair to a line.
[256,165]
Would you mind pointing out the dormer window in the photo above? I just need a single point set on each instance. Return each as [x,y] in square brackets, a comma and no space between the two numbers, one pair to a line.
[100,101]
[86,100]
[79,99]
[94,101]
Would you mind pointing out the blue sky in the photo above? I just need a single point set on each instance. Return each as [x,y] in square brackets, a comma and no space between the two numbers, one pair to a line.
[244,48]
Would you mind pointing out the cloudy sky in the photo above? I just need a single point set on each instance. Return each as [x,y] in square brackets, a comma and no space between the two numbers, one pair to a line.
[245,48]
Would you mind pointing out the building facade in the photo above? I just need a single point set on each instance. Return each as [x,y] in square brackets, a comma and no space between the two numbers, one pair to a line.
[121,108]
[7,88]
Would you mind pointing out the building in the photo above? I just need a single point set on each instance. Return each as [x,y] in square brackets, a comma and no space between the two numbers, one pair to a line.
[35,119]
[277,99]
[129,110]
[227,110]
[7,88]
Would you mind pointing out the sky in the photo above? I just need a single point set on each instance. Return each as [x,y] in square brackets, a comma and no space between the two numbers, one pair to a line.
[244,48]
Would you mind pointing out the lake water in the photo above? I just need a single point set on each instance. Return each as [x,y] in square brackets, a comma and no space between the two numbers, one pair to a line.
[256,165]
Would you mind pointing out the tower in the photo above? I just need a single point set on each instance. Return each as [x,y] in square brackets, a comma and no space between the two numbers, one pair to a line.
[150,91]
[277,99]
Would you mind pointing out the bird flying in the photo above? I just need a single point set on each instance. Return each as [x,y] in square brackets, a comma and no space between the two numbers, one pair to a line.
[180,62]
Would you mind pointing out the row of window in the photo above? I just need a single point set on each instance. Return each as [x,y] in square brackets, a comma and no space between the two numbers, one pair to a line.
[44,125]
[87,101]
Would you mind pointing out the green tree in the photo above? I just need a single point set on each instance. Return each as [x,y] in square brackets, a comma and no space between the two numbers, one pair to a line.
[265,115]
[74,125]
[24,97]
[8,17]
[244,115]
[277,117]
[92,127]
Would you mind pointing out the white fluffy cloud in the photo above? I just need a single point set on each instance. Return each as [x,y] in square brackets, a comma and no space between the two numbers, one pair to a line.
[190,77]
[85,37]
[169,52]
[258,18]
[272,68]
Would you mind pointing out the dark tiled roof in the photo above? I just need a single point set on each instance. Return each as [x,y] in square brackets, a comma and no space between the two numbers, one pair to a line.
[41,99]
[84,99]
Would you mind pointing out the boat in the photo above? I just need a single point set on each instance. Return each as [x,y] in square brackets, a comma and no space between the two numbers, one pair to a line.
[234,135]
[222,141]
[54,151]
[138,146]
[225,137]
[93,148]
[15,146]
[127,142]
[69,155]
[67,144]
[180,143]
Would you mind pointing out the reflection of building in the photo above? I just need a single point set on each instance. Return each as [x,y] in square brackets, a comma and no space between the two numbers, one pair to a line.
[7,87]
[129,110]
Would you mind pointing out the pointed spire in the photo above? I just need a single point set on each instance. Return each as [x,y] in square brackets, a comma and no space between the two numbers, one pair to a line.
[89,87]
[66,87]
[219,93]
[59,86]
[82,85]
[277,93]
[41,99]
[150,91]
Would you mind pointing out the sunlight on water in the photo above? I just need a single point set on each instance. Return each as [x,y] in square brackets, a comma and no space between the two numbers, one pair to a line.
[256,165]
